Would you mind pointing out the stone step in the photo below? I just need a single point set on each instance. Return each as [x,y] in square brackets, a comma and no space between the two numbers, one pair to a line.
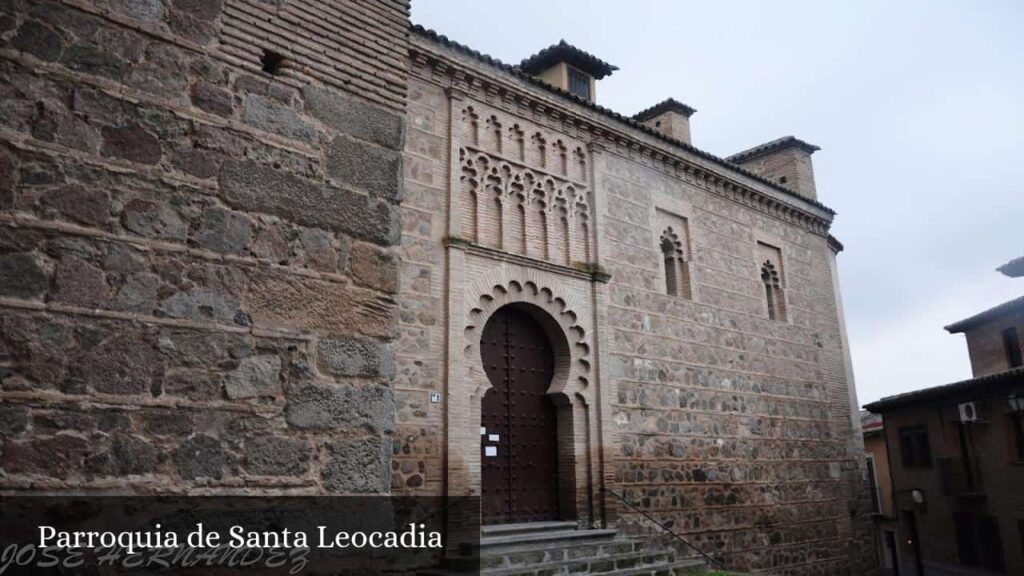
[677,568]
[634,564]
[553,549]
[547,553]
[526,528]
[601,564]
[554,538]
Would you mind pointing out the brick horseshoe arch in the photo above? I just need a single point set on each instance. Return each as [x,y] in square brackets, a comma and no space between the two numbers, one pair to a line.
[571,380]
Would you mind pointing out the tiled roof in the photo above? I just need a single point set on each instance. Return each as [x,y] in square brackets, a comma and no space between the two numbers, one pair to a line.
[662,107]
[869,421]
[565,52]
[1014,268]
[515,71]
[978,385]
[1004,308]
[772,146]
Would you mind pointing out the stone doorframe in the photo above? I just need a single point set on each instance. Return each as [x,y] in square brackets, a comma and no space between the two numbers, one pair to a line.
[571,389]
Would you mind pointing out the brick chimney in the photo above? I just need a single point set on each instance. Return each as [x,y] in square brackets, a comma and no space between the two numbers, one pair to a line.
[786,161]
[567,67]
[670,117]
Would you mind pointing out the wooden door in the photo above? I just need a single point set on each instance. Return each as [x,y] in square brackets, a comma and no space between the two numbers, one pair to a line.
[519,456]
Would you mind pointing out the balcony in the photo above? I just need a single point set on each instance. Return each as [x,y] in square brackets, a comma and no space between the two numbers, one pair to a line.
[960,478]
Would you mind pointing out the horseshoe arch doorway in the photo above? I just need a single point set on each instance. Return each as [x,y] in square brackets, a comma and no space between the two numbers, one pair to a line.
[519,439]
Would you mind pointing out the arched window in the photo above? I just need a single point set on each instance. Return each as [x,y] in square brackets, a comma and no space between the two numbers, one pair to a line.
[677,269]
[773,291]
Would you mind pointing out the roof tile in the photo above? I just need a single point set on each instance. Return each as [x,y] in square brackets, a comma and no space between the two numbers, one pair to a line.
[565,52]
[772,146]
[668,104]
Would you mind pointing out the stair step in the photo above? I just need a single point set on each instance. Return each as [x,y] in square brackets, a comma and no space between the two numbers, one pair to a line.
[512,542]
[559,549]
[558,553]
[602,564]
[526,527]
[677,568]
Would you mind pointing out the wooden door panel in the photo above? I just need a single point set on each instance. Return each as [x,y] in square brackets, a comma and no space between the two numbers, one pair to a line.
[520,483]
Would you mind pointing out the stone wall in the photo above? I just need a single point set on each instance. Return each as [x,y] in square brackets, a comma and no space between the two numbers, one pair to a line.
[733,428]
[419,460]
[198,241]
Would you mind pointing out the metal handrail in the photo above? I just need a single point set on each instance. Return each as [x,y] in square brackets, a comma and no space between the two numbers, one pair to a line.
[713,561]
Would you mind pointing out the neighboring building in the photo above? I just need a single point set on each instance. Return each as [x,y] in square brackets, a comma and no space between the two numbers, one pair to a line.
[690,349]
[880,485]
[877,463]
[298,247]
[957,455]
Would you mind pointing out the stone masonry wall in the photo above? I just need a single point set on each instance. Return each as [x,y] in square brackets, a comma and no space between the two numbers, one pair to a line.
[420,350]
[199,256]
[733,428]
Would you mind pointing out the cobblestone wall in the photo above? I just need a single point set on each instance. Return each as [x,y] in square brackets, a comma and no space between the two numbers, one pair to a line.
[197,236]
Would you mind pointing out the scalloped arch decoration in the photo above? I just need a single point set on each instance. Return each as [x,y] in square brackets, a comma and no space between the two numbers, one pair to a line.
[571,381]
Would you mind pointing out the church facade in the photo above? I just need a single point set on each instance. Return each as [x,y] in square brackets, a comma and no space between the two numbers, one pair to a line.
[305,248]
[614,318]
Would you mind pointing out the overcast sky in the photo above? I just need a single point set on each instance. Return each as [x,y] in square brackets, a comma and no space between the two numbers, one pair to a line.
[918,108]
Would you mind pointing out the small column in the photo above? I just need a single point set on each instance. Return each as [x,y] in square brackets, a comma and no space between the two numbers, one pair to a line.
[455,97]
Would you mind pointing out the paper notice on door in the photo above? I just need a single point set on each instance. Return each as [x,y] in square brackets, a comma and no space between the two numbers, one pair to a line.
[490,451]
[493,437]
[483,431]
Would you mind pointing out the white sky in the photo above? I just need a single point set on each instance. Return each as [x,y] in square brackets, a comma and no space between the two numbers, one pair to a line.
[918,108]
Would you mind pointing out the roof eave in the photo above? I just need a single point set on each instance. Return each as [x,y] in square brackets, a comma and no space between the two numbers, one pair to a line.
[888,404]
[982,317]
[668,104]
[571,55]
[772,146]
[1014,268]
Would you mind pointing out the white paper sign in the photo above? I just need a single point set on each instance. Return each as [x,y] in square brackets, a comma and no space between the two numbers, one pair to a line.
[483,431]
[490,451]
[493,437]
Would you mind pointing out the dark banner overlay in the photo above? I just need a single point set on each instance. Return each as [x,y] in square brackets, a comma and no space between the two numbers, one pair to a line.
[233,535]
